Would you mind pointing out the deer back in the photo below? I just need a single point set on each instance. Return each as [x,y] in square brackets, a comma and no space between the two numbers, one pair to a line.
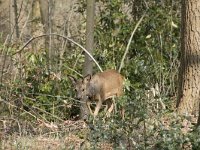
[105,84]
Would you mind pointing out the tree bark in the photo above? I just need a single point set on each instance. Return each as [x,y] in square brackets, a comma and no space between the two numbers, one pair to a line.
[189,73]
[88,65]
[89,36]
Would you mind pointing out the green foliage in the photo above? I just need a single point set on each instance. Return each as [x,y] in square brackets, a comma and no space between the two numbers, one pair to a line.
[152,61]
[194,139]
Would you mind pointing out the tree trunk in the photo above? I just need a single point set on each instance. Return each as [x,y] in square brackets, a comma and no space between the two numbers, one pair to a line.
[46,14]
[189,73]
[89,45]
[44,9]
[35,14]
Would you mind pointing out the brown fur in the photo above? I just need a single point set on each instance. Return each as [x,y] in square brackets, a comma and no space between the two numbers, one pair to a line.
[100,87]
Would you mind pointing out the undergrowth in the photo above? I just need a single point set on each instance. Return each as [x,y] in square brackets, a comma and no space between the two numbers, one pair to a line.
[37,103]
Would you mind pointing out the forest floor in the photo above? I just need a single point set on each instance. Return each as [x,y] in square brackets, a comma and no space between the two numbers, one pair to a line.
[70,135]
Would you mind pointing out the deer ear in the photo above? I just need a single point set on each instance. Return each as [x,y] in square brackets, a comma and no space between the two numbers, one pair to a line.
[88,77]
[72,79]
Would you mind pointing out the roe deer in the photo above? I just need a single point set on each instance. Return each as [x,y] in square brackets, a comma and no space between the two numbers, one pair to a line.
[100,87]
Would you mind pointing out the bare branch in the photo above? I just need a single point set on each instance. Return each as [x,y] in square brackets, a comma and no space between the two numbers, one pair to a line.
[129,42]
[43,35]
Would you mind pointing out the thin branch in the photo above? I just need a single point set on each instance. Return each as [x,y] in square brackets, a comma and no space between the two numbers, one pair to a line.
[129,42]
[72,69]
[50,52]
[2,100]
[20,10]
[33,38]
[4,60]
[54,116]
[16,18]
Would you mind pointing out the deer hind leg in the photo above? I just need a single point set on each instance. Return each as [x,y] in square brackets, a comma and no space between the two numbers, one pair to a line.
[114,103]
[109,107]
[106,108]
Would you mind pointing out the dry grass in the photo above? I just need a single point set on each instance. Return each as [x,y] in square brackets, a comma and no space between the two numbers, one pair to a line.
[41,143]
[68,135]
[30,143]
[48,143]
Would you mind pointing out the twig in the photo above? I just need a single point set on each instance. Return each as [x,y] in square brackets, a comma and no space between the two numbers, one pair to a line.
[50,52]
[33,38]
[129,42]
[18,107]
[54,116]
[53,96]
[20,10]
[4,60]
[72,69]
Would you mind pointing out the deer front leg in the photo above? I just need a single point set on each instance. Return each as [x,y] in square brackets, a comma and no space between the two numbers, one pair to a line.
[110,110]
[98,106]
[88,106]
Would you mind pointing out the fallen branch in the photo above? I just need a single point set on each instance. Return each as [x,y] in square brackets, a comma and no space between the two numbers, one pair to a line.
[33,38]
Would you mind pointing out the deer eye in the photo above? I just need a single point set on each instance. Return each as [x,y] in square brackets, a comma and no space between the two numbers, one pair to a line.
[83,90]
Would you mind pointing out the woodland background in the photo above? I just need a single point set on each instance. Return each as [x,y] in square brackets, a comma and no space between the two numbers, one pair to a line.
[37,101]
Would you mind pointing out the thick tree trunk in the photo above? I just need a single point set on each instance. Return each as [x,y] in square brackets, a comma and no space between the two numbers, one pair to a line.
[88,65]
[189,75]
[89,36]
